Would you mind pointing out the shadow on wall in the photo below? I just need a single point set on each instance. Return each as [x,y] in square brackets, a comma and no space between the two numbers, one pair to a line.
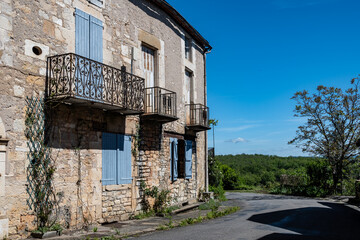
[334,221]
[77,127]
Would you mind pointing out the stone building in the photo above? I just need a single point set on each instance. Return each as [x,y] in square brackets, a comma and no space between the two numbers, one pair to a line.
[126,85]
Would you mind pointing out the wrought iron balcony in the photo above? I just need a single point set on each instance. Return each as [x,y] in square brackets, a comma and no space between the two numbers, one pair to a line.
[197,117]
[76,79]
[160,105]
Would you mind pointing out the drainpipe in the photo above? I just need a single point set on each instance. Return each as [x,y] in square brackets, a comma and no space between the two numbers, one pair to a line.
[206,50]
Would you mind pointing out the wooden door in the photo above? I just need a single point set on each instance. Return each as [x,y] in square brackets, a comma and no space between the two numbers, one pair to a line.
[188,97]
[188,80]
[148,63]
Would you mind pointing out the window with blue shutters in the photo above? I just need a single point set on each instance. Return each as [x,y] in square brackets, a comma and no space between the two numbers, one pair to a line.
[116,159]
[88,36]
[89,44]
[173,159]
[188,159]
[180,158]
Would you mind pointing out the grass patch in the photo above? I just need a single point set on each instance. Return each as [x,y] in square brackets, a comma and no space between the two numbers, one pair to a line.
[56,227]
[143,215]
[210,205]
[170,209]
[189,221]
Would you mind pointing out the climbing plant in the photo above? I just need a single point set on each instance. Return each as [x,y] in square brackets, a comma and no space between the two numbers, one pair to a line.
[40,170]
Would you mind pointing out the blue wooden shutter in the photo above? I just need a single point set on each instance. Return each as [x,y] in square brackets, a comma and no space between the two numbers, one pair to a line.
[124,159]
[188,159]
[96,53]
[82,33]
[174,158]
[109,157]
[96,39]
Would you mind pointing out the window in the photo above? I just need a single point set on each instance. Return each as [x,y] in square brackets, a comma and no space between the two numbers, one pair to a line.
[180,158]
[98,3]
[88,44]
[188,87]
[116,159]
[188,48]
[88,36]
[148,64]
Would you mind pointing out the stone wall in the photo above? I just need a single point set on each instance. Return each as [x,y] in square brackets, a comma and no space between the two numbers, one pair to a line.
[76,130]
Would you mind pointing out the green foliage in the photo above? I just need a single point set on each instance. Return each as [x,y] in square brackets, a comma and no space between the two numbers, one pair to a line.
[143,215]
[215,174]
[332,127]
[40,170]
[303,176]
[55,227]
[162,227]
[231,179]
[95,229]
[162,198]
[219,192]
[170,209]
[211,204]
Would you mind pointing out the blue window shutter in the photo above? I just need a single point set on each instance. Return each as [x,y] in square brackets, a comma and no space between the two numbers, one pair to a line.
[174,158]
[108,159]
[96,39]
[188,159]
[82,33]
[124,159]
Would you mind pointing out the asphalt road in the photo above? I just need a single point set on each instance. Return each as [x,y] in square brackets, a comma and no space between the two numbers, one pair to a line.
[270,217]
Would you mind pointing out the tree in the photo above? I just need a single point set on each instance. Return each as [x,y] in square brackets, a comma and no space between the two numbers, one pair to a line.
[213,123]
[332,128]
[215,175]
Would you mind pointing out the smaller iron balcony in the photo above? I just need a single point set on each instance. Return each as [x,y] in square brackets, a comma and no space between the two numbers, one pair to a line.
[75,79]
[160,105]
[197,117]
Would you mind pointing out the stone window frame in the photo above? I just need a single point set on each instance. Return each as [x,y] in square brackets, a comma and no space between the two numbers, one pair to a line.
[98,3]
[156,61]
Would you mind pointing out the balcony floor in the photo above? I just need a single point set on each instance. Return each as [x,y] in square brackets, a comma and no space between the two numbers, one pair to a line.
[79,101]
[198,128]
[163,118]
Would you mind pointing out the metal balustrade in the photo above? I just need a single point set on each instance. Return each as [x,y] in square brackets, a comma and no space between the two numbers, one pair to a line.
[197,117]
[160,101]
[79,79]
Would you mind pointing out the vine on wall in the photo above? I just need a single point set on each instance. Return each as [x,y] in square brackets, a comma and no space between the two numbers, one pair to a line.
[40,170]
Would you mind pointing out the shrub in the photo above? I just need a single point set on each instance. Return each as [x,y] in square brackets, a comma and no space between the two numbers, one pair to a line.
[219,192]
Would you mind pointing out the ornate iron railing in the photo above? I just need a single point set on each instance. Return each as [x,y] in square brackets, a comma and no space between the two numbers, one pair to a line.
[73,76]
[197,115]
[160,101]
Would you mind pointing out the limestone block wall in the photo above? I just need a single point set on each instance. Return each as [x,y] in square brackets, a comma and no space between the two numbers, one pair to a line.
[76,130]
[117,202]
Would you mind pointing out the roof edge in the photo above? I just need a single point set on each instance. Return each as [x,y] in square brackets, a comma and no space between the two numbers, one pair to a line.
[166,7]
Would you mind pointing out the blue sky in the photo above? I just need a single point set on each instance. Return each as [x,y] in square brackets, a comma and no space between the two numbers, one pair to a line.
[263,52]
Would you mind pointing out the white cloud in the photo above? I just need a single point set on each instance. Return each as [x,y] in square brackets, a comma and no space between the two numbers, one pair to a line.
[237,140]
[239,128]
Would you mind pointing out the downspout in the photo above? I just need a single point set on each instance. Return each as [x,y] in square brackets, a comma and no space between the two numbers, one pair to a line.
[206,50]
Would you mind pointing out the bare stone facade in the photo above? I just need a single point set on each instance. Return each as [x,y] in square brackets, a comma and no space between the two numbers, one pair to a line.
[76,131]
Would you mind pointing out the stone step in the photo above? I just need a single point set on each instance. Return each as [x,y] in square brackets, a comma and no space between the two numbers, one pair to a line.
[186,208]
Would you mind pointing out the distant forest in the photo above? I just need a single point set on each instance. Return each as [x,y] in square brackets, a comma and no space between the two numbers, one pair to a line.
[308,176]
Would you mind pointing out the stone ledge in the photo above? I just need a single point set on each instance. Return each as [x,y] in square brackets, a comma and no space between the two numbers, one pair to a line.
[110,188]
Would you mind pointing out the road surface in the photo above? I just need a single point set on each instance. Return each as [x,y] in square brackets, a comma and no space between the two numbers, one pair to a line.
[271,217]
